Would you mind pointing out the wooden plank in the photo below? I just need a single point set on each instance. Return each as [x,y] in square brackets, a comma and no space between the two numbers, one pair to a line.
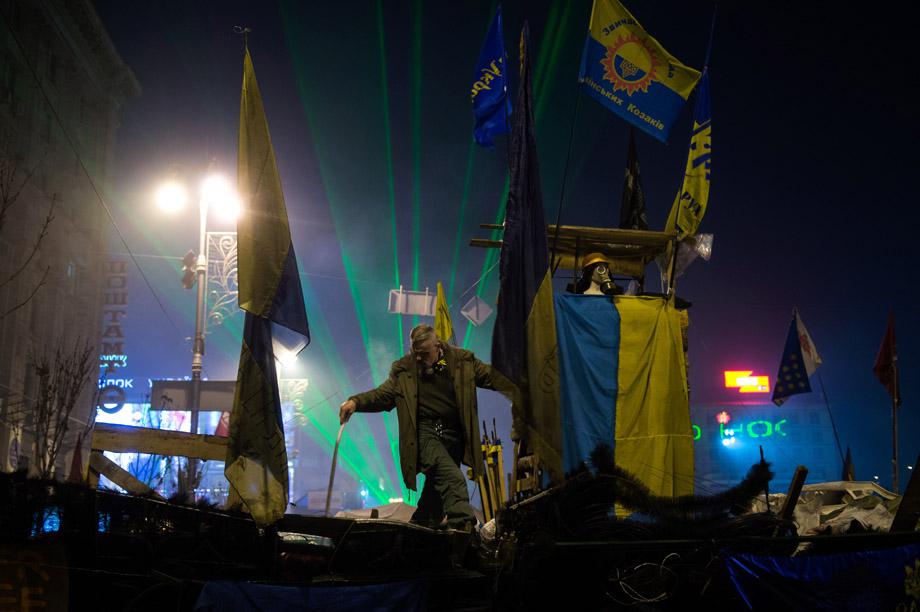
[565,257]
[92,477]
[605,234]
[614,235]
[908,513]
[485,243]
[792,496]
[126,439]
[586,245]
[124,479]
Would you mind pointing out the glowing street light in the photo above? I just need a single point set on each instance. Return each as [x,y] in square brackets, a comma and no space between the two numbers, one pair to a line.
[217,194]
[172,197]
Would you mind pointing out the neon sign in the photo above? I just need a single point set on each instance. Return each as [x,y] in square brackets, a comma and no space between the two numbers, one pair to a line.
[730,434]
[746,382]
[754,429]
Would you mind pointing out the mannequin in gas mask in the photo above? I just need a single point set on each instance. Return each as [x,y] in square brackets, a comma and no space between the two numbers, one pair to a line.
[595,277]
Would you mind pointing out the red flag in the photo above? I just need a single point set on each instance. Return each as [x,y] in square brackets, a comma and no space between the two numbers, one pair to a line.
[886,362]
[76,463]
[223,426]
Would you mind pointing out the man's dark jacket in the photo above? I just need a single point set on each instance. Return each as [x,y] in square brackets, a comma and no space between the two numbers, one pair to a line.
[401,390]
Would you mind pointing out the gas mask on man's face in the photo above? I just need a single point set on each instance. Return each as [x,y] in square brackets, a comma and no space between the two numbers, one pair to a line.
[601,276]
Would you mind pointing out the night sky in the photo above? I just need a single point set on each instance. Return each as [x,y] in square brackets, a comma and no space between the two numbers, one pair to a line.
[814,161]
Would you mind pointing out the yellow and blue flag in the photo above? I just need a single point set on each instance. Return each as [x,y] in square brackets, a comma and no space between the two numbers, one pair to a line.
[524,337]
[690,204]
[489,91]
[629,72]
[276,319]
[443,326]
[623,383]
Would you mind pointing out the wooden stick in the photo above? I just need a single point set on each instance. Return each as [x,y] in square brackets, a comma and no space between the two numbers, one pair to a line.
[335,456]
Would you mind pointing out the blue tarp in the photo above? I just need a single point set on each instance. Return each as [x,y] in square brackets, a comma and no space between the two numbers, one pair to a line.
[226,596]
[864,580]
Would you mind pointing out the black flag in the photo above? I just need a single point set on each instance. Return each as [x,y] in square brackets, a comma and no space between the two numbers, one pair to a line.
[632,206]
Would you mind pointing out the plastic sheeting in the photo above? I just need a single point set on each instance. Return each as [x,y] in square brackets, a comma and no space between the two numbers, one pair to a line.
[838,507]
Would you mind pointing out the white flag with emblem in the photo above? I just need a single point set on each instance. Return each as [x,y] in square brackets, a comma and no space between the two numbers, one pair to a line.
[809,353]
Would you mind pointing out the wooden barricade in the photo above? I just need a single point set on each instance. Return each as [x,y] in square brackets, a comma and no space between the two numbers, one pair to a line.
[127,439]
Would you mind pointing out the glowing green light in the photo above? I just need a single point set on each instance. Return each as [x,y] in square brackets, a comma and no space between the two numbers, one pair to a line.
[391,190]
[416,143]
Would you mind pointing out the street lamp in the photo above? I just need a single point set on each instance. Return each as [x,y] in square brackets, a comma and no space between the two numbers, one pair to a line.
[217,194]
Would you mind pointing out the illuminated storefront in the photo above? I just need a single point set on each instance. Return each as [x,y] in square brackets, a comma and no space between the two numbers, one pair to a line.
[739,420]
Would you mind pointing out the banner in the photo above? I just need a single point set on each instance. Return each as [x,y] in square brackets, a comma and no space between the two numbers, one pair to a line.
[629,72]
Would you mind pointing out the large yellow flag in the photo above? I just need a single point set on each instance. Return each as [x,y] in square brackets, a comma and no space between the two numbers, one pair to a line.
[443,326]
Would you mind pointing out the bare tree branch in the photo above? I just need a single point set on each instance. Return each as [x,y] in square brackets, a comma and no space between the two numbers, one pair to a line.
[62,378]
[35,246]
[35,289]
[9,190]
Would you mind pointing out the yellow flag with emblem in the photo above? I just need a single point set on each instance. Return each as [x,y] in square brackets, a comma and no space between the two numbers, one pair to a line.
[690,204]
[443,326]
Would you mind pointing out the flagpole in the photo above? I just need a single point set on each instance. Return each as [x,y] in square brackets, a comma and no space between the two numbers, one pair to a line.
[895,400]
[565,173]
[565,170]
[827,404]
[507,104]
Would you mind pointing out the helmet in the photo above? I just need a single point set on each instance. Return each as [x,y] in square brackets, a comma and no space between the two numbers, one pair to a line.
[593,258]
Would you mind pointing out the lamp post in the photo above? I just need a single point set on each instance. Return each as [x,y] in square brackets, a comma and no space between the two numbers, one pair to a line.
[215,193]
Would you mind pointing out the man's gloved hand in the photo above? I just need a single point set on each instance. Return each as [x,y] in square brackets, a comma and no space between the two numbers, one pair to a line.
[347,409]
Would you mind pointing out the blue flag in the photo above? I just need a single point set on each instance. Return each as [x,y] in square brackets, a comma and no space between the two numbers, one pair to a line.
[489,92]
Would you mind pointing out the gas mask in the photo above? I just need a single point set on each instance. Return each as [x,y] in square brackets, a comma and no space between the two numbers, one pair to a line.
[601,276]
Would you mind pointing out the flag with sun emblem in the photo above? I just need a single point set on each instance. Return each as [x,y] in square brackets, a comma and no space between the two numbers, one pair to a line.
[799,361]
[630,73]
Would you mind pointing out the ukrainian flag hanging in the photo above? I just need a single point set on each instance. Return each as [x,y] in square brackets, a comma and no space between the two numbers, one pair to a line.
[629,72]
[623,383]
[271,295]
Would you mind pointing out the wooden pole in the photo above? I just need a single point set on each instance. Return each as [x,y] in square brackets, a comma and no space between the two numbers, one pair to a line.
[766,485]
[895,400]
[335,455]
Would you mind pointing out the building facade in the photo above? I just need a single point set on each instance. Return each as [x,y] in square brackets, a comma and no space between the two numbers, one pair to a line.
[61,87]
